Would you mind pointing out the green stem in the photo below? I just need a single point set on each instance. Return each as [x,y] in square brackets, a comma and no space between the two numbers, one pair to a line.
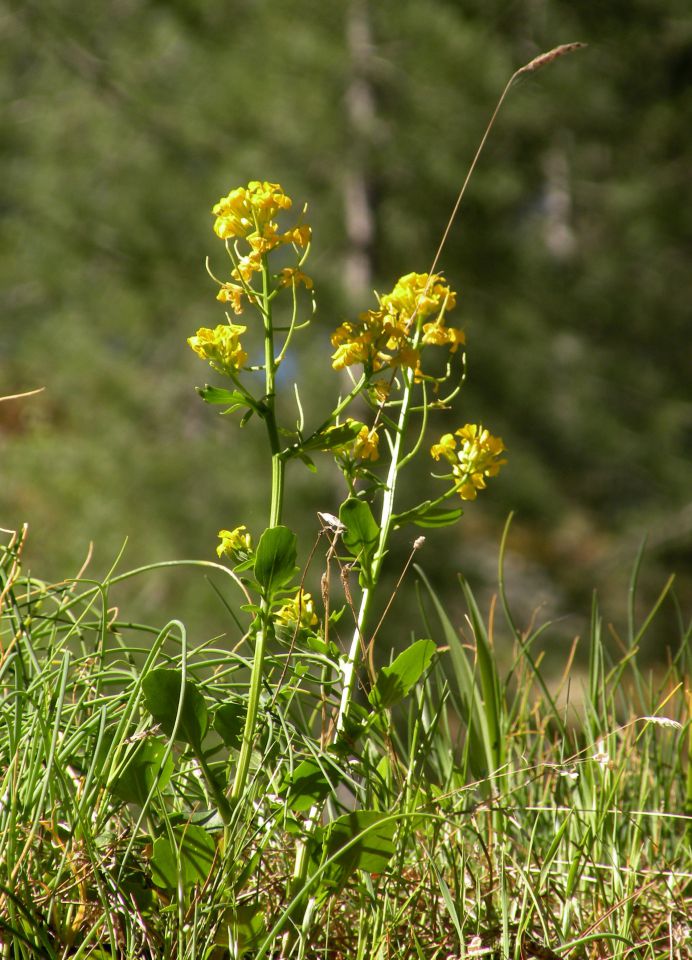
[387,513]
[386,517]
[218,795]
[275,510]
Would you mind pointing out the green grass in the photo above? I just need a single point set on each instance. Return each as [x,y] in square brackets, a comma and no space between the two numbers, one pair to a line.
[472,812]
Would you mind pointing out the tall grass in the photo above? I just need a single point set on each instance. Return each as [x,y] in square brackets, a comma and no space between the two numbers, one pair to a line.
[510,814]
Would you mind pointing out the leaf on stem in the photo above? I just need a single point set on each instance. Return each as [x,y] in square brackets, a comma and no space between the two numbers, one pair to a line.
[307,785]
[185,717]
[188,856]
[232,399]
[362,840]
[361,535]
[275,560]
[425,515]
[332,437]
[145,768]
[398,679]
[229,721]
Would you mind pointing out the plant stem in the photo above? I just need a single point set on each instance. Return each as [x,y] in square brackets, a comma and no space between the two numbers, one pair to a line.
[386,516]
[275,510]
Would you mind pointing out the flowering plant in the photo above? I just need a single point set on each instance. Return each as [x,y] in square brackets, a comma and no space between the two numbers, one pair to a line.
[403,363]
[383,353]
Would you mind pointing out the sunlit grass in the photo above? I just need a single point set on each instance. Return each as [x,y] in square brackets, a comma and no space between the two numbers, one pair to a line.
[530,817]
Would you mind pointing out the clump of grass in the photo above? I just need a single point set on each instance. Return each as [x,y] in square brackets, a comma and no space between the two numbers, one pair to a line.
[519,827]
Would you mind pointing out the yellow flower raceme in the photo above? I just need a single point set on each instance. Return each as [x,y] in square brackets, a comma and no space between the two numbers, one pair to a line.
[236,544]
[474,457]
[300,609]
[220,347]
[384,338]
[248,214]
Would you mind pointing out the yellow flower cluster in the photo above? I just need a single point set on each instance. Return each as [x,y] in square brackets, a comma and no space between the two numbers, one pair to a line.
[477,457]
[300,609]
[384,338]
[221,347]
[236,544]
[248,213]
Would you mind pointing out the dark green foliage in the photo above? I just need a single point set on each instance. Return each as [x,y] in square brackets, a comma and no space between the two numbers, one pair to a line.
[571,258]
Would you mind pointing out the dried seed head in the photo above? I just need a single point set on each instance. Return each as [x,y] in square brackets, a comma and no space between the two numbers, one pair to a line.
[544,59]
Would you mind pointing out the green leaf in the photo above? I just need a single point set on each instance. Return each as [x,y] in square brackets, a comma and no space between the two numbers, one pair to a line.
[145,767]
[191,857]
[232,398]
[426,516]
[217,395]
[275,559]
[229,722]
[466,695]
[307,785]
[362,840]
[336,436]
[398,679]
[307,461]
[162,696]
[247,921]
[361,534]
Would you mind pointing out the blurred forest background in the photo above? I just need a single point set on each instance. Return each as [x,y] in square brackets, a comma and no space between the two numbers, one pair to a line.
[123,123]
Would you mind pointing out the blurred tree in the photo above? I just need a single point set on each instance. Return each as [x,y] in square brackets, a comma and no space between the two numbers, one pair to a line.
[126,121]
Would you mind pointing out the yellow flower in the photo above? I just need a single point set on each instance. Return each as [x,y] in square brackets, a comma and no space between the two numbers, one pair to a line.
[477,457]
[236,544]
[265,239]
[437,334]
[246,266]
[352,347]
[293,276]
[380,390]
[220,347]
[299,610]
[231,293]
[365,446]
[300,235]
[446,446]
